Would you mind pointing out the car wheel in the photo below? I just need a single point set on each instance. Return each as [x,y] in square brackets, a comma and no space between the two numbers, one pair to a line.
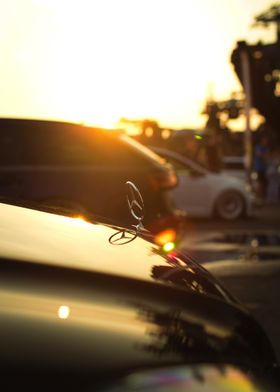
[230,205]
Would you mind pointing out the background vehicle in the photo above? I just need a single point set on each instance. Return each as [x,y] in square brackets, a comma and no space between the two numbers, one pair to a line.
[234,166]
[83,170]
[202,193]
[79,312]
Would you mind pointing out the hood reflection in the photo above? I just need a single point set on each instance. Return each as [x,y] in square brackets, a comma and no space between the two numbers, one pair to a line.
[184,272]
[194,339]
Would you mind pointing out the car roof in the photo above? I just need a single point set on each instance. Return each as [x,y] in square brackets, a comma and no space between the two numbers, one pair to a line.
[27,124]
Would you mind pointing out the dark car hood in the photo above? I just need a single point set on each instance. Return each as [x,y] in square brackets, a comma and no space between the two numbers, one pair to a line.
[73,302]
[64,321]
[45,238]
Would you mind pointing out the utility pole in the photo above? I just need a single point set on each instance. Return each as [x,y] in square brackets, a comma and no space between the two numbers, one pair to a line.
[246,77]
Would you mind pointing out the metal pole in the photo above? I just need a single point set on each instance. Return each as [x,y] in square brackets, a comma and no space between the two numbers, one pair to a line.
[248,104]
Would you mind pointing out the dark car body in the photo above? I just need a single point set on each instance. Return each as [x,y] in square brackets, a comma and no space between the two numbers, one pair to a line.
[78,312]
[83,170]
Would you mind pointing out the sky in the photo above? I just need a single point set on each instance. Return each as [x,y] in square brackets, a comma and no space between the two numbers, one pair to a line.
[95,61]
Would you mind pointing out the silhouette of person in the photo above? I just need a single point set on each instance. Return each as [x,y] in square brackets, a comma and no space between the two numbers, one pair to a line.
[214,154]
[273,176]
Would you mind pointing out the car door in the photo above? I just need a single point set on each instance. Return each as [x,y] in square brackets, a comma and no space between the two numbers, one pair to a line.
[193,191]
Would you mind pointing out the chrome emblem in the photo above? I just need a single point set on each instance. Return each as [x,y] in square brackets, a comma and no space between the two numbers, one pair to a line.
[136,207]
[122,237]
[135,204]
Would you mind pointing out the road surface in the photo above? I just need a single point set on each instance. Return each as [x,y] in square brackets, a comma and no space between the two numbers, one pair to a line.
[245,256]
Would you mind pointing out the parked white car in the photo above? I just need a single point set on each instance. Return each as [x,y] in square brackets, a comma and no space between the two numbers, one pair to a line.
[201,193]
[235,166]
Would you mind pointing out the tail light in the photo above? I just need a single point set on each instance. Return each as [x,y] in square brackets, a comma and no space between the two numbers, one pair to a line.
[163,180]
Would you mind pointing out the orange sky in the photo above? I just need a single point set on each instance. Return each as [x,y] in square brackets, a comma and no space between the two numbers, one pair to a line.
[95,61]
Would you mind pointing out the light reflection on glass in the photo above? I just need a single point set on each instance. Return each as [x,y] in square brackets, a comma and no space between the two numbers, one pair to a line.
[63,312]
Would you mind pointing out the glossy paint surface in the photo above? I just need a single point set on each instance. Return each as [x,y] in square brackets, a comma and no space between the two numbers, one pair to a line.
[73,305]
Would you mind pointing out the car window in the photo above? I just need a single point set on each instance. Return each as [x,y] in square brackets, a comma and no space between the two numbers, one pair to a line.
[232,165]
[181,167]
[11,150]
[66,145]
[56,146]
[146,152]
[177,164]
[114,150]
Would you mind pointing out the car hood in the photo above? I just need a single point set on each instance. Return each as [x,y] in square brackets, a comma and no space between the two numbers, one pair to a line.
[66,308]
[75,323]
[44,238]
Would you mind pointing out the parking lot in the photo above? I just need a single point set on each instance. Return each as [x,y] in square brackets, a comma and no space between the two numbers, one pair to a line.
[245,256]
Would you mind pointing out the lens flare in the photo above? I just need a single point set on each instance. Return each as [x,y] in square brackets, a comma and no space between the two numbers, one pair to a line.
[168,247]
[165,236]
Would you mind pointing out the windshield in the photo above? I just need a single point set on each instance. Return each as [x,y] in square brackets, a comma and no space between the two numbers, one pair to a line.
[143,149]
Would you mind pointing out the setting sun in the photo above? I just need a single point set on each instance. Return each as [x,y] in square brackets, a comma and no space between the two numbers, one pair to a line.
[97,61]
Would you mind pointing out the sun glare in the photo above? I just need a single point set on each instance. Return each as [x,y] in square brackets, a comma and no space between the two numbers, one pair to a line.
[97,61]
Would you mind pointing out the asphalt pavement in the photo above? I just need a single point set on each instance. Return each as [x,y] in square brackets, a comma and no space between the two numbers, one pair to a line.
[266,216]
[245,257]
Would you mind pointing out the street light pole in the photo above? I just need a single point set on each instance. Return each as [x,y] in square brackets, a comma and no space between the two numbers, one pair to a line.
[246,76]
